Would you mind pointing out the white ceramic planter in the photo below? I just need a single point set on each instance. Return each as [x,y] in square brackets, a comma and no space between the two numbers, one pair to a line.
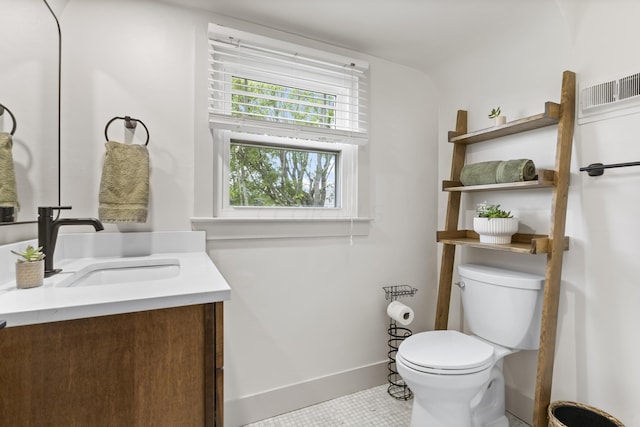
[495,230]
[500,120]
[29,274]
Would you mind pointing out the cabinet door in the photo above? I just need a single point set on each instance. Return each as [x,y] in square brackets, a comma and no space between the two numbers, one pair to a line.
[134,369]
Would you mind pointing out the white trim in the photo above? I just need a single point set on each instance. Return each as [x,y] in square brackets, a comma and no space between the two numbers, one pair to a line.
[245,124]
[255,407]
[262,228]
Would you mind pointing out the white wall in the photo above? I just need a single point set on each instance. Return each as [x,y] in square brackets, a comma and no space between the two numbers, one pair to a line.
[139,58]
[307,317]
[601,313]
[598,304]
[136,59]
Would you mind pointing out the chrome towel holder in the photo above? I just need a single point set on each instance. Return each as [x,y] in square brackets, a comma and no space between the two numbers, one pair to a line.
[129,123]
[15,124]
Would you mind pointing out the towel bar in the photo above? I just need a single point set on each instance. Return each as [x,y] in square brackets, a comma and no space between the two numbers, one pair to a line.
[129,123]
[2,110]
[597,169]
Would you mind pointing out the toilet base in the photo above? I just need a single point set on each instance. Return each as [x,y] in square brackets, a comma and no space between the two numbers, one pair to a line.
[500,422]
[421,418]
[440,416]
[486,409]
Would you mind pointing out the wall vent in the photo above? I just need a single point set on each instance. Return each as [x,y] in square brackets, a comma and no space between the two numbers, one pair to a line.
[629,86]
[610,99]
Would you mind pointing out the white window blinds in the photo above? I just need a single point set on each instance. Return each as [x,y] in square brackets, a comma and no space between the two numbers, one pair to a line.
[266,86]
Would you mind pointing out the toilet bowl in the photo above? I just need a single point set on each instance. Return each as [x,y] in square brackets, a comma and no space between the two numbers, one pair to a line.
[457,379]
[447,371]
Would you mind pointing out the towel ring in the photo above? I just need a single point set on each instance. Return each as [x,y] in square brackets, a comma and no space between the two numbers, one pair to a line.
[129,123]
[15,124]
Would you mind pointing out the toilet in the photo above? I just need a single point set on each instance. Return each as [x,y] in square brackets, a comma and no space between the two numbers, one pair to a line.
[457,378]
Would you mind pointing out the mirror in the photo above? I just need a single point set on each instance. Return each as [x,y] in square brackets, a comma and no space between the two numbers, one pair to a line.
[29,89]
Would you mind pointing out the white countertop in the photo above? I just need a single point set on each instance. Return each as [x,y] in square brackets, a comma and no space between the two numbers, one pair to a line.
[197,282]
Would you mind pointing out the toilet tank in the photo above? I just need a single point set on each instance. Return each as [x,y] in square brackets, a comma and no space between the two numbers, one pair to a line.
[502,306]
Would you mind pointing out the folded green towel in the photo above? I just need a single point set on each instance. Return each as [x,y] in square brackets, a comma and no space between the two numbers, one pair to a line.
[495,172]
[124,185]
[8,187]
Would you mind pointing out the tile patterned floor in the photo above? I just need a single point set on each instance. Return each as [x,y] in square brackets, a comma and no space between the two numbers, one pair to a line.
[372,407]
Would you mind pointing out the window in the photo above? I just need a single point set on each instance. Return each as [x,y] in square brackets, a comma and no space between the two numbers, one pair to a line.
[287,122]
[260,175]
[265,101]
[280,177]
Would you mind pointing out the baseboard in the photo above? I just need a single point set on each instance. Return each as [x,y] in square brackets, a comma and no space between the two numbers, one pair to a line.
[519,405]
[270,403]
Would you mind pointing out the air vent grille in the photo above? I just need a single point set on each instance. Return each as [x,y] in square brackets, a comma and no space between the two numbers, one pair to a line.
[600,94]
[629,86]
[603,99]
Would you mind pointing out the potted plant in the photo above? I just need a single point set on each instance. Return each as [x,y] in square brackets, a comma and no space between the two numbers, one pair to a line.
[493,224]
[495,114]
[29,268]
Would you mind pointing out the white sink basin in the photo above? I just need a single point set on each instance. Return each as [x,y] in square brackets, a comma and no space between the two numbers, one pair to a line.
[123,271]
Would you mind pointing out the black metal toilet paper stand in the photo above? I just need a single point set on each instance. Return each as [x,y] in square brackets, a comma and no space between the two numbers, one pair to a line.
[397,387]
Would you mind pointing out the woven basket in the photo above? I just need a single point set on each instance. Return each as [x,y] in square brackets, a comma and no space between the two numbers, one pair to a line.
[573,414]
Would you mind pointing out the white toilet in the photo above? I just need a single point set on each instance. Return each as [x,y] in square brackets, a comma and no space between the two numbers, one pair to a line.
[457,379]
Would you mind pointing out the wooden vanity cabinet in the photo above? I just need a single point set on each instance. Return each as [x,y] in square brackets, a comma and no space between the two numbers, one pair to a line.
[151,368]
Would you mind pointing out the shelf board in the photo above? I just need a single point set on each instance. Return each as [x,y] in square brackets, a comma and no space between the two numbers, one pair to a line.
[544,179]
[520,243]
[551,116]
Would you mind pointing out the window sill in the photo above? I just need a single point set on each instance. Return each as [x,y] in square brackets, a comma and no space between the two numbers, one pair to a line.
[261,228]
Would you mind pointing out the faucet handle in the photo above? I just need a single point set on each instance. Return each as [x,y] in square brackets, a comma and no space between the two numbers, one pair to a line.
[53,208]
[47,211]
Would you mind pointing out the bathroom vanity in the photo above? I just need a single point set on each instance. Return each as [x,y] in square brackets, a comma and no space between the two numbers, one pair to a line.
[129,333]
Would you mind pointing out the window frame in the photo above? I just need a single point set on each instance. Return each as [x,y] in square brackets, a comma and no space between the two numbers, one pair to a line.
[346,179]
[209,154]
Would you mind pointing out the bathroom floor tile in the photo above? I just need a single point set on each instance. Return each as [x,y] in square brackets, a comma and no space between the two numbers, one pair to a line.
[371,407]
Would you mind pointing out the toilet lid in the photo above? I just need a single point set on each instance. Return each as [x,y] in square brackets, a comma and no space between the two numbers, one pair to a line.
[446,352]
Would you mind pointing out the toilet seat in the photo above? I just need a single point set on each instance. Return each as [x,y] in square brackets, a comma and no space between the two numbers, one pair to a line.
[445,353]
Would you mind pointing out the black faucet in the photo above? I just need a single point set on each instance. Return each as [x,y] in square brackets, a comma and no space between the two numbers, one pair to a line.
[48,232]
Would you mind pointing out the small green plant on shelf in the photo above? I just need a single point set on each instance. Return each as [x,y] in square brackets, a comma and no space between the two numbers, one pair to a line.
[30,254]
[495,112]
[487,210]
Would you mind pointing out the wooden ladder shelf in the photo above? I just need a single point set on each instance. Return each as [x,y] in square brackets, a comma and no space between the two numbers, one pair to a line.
[553,244]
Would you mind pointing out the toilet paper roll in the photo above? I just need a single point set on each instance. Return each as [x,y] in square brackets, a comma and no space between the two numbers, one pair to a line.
[399,312]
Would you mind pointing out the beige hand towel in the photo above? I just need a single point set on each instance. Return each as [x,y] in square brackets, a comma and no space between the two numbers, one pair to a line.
[8,187]
[124,186]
